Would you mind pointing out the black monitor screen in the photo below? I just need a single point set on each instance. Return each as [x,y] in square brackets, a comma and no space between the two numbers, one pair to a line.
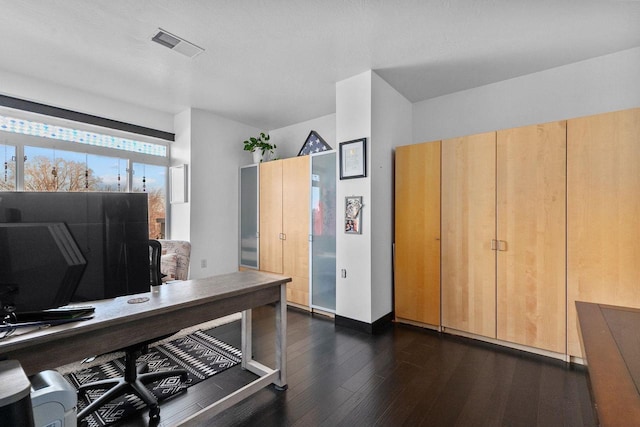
[110,229]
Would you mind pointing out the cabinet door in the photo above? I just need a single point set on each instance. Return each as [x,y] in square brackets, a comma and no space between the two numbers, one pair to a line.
[468,227]
[531,184]
[249,216]
[417,233]
[603,213]
[323,230]
[295,226]
[271,216]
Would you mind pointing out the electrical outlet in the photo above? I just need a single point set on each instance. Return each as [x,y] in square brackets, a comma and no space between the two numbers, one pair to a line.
[203,263]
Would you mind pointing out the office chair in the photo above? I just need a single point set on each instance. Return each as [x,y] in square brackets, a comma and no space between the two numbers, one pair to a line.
[135,377]
[155,252]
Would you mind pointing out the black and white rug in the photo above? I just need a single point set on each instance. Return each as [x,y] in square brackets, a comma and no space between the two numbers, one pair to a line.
[200,354]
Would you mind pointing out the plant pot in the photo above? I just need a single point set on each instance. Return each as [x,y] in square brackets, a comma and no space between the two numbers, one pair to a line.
[257,156]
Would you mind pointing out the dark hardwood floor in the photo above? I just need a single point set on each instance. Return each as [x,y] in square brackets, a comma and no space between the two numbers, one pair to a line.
[405,376]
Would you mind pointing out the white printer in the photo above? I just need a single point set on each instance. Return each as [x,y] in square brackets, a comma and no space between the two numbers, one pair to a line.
[54,400]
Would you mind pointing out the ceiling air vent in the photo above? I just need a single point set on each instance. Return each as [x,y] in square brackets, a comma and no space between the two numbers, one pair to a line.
[174,42]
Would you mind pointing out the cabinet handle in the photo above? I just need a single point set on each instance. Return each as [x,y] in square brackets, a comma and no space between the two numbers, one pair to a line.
[494,245]
[502,245]
[283,236]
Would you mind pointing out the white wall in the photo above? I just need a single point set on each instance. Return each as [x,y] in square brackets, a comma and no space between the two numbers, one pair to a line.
[216,155]
[30,89]
[367,106]
[353,251]
[179,225]
[391,126]
[289,140]
[598,85]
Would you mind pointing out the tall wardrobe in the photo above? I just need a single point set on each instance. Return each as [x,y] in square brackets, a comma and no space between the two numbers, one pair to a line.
[284,223]
[287,225]
[531,219]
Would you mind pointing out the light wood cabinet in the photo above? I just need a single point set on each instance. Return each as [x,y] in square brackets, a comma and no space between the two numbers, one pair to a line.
[468,227]
[531,210]
[271,217]
[603,213]
[503,235]
[295,227]
[533,219]
[284,223]
[417,233]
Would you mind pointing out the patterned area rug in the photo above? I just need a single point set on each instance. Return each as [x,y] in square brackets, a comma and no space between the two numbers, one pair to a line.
[200,354]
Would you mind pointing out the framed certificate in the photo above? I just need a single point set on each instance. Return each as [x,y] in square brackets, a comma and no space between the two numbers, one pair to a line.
[353,159]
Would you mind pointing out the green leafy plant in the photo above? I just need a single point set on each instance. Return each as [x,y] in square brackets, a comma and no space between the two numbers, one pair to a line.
[260,143]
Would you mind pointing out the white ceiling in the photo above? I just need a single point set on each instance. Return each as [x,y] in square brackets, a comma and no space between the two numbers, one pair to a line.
[274,63]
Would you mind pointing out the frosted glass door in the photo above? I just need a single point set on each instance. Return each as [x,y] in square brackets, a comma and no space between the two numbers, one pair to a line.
[249,216]
[323,231]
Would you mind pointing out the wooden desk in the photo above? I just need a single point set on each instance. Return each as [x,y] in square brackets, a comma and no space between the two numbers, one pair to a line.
[610,337]
[118,323]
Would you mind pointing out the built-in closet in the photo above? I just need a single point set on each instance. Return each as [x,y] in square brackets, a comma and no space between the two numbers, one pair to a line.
[532,219]
[288,223]
[284,223]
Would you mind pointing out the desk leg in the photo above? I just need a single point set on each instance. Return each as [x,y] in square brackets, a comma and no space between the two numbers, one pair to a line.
[277,376]
[281,339]
[247,351]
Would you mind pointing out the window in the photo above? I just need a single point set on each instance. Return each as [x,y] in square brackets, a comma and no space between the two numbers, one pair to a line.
[63,133]
[153,180]
[39,156]
[8,177]
[47,169]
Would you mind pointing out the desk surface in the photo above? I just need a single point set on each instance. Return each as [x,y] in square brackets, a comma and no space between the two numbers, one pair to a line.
[118,323]
[610,337]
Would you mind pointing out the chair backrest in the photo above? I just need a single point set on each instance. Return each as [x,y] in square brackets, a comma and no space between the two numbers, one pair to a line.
[155,250]
[175,258]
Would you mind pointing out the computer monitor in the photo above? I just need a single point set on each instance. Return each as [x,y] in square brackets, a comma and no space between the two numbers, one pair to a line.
[110,229]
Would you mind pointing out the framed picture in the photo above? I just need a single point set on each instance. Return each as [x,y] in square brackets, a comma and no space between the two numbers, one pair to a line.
[353,159]
[178,184]
[352,215]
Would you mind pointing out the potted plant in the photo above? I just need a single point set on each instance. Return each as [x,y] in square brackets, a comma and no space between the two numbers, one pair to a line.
[260,147]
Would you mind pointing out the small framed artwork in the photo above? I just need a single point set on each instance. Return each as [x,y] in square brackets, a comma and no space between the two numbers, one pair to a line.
[352,215]
[353,159]
[178,184]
